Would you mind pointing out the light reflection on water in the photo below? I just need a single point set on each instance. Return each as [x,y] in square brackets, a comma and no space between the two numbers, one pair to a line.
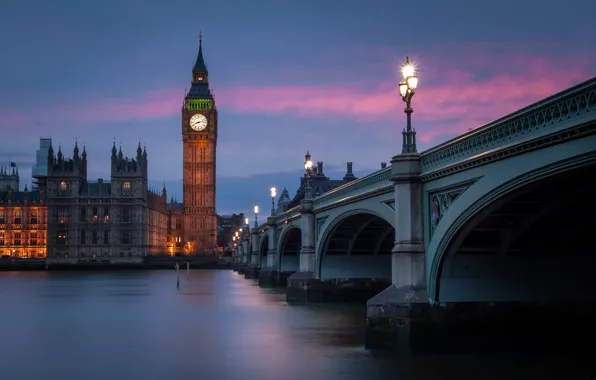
[138,325]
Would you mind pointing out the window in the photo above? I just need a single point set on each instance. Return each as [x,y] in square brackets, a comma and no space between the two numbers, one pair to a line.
[2,218]
[126,238]
[83,213]
[95,215]
[94,238]
[17,217]
[33,238]
[106,214]
[62,187]
[83,237]
[62,215]
[126,215]
[126,188]
[17,238]
[61,238]
[1,238]
[178,223]
[34,216]
[106,237]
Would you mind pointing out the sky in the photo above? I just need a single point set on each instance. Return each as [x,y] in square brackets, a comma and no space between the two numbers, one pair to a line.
[288,76]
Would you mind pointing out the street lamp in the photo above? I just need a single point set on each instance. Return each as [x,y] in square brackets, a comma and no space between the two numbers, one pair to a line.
[307,167]
[273,194]
[246,221]
[256,210]
[407,89]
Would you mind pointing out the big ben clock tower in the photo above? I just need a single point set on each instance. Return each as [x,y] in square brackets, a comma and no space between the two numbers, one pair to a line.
[199,140]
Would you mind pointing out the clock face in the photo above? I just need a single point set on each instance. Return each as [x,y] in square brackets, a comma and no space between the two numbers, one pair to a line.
[198,122]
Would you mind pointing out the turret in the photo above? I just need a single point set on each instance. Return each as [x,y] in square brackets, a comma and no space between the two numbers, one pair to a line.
[349,174]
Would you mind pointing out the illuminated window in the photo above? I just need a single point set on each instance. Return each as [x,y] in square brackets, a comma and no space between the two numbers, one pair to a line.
[33,238]
[17,238]
[126,186]
[61,238]
[34,217]
[1,239]
[63,215]
[17,217]
[63,187]
[95,216]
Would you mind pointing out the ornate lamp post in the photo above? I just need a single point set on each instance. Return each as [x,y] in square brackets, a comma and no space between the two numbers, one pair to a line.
[307,167]
[256,210]
[407,89]
[246,222]
[273,194]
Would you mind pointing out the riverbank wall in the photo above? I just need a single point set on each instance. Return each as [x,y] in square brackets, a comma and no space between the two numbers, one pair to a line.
[144,263]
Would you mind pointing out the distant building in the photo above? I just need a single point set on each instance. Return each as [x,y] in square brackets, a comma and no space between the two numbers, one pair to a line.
[176,229]
[22,223]
[226,226]
[319,184]
[9,177]
[39,172]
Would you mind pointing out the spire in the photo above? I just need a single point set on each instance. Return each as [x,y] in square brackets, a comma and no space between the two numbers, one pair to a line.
[76,149]
[200,62]
[84,153]
[139,151]
[114,151]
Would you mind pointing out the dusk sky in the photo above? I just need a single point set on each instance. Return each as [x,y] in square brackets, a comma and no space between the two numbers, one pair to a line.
[288,76]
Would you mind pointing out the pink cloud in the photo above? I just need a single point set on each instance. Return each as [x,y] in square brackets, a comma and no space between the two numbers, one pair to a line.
[460,88]
[453,103]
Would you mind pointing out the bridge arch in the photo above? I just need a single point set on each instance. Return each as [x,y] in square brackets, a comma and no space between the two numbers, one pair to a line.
[356,244]
[290,243]
[526,240]
[263,246]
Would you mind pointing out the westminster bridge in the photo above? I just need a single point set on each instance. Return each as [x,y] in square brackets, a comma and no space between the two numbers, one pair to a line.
[496,220]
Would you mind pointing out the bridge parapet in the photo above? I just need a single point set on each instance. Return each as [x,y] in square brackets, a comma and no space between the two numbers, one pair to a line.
[553,114]
[374,181]
[288,215]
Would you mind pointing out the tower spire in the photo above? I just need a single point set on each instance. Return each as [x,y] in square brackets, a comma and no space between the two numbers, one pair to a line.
[200,62]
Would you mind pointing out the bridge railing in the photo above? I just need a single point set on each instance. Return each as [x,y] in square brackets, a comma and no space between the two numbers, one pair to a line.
[289,214]
[545,116]
[374,181]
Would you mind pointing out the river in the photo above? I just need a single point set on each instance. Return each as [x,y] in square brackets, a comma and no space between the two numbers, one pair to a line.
[217,325]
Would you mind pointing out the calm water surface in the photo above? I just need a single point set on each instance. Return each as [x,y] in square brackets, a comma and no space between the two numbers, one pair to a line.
[137,325]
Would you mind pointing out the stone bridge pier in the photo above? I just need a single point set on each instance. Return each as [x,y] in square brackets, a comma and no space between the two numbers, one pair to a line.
[509,270]
[254,262]
[269,273]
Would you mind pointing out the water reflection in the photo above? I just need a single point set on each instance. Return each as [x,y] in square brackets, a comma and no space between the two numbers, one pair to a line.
[217,325]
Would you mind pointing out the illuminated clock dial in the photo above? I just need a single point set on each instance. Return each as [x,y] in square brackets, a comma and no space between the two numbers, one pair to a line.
[198,122]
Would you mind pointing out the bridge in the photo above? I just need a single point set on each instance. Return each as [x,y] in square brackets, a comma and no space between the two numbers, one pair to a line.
[493,224]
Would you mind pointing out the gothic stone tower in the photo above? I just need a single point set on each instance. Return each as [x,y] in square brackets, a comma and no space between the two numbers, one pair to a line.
[199,140]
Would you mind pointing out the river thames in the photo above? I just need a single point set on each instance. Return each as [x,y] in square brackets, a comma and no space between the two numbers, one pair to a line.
[217,325]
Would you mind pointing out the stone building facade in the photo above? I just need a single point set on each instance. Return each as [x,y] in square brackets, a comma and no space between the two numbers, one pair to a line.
[119,219]
[22,224]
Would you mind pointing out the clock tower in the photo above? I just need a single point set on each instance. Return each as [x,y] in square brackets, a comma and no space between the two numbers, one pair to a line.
[199,140]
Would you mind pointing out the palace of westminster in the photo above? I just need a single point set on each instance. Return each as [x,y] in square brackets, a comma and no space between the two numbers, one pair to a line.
[68,216]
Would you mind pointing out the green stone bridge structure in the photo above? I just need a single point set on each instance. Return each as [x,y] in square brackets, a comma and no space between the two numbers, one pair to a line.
[493,225]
